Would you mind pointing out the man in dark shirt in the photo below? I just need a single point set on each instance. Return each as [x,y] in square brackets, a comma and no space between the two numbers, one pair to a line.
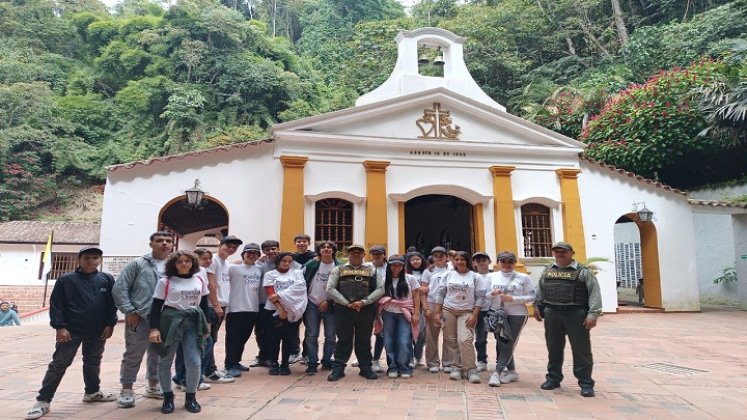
[82,311]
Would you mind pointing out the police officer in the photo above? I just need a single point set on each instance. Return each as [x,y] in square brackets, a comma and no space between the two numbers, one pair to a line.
[569,301]
[354,287]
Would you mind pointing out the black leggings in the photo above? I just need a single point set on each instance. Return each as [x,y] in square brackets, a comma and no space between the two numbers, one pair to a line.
[281,332]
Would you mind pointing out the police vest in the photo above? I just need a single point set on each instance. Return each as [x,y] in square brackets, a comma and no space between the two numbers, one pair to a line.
[563,286]
[356,283]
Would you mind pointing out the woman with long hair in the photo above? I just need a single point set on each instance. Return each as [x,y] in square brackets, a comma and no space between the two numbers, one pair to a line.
[416,264]
[178,318]
[400,313]
[460,302]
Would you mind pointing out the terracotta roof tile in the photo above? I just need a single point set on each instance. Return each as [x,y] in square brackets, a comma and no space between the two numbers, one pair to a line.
[38,232]
[181,156]
[639,178]
[716,203]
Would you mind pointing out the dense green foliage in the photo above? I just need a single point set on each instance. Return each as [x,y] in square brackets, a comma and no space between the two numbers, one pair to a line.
[82,87]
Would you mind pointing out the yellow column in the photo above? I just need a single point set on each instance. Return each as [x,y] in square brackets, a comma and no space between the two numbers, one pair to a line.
[401,225]
[292,211]
[479,227]
[503,212]
[376,224]
[573,224]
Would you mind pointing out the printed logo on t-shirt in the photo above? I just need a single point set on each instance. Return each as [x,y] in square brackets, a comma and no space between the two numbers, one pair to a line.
[252,278]
[191,296]
[322,277]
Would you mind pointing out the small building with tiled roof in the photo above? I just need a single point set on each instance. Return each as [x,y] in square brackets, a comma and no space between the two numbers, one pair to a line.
[420,161]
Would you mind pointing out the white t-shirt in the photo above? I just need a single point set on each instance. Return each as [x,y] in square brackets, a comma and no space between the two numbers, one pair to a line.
[433,281]
[245,283]
[412,284]
[483,284]
[458,291]
[518,285]
[318,287]
[161,268]
[219,267]
[183,293]
[281,281]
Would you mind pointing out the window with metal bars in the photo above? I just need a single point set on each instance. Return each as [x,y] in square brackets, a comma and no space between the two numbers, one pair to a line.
[536,229]
[334,221]
[62,262]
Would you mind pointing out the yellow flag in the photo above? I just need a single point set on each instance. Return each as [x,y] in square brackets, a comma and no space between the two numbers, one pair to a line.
[47,258]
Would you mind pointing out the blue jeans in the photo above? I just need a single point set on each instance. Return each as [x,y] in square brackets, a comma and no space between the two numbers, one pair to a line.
[481,337]
[64,353]
[314,319]
[181,371]
[192,359]
[417,350]
[398,342]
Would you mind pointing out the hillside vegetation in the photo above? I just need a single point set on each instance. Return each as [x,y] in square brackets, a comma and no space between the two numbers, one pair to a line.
[655,87]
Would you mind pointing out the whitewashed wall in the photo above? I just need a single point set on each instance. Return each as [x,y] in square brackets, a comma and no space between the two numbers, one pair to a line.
[19,263]
[607,195]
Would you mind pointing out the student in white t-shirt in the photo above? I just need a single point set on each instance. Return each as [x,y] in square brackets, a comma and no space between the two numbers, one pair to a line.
[400,313]
[416,265]
[460,303]
[319,309]
[243,307]
[178,318]
[430,282]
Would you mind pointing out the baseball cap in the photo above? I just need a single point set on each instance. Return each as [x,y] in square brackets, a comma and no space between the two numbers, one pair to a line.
[396,259]
[377,248]
[230,239]
[562,245]
[252,247]
[507,255]
[90,250]
[480,254]
[438,249]
[357,247]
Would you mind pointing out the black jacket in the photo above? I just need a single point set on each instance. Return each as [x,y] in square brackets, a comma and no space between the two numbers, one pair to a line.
[83,304]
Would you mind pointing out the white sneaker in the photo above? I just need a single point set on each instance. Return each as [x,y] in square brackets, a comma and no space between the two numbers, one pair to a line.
[510,376]
[99,396]
[39,409]
[420,363]
[354,364]
[376,366]
[202,387]
[495,379]
[392,374]
[413,363]
[482,366]
[294,358]
[153,392]
[406,375]
[448,369]
[455,374]
[434,369]
[218,378]
[126,398]
[473,377]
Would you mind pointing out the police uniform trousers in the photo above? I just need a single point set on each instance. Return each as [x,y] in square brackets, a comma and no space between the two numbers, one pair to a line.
[353,330]
[562,321]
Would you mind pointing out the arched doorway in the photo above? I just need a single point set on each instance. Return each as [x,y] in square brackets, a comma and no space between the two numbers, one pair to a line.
[637,262]
[190,224]
[432,220]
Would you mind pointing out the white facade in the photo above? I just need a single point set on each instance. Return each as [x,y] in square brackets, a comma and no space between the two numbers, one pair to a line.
[248,179]
[20,263]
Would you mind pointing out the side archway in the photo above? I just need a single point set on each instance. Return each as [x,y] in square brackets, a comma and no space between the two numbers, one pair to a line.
[184,220]
[637,259]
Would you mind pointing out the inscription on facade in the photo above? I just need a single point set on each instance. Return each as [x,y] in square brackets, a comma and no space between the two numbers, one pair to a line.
[436,153]
[115,265]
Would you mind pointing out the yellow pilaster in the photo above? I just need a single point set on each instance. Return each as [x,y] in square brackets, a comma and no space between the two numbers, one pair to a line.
[479,227]
[376,221]
[401,227]
[503,212]
[292,211]
[573,225]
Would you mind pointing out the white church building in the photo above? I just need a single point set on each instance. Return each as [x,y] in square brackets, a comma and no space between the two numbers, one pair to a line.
[420,161]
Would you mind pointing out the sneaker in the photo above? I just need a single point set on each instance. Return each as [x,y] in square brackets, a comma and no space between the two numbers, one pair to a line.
[153,392]
[587,391]
[305,360]
[448,369]
[39,409]
[99,396]
[482,366]
[202,387]
[376,366]
[405,375]
[274,370]
[259,363]
[126,398]
[413,362]
[434,369]
[234,372]
[473,377]
[510,376]
[336,374]
[284,370]
[420,362]
[311,371]
[392,374]
[495,379]
[455,374]
[242,367]
[217,378]
[354,364]
[295,358]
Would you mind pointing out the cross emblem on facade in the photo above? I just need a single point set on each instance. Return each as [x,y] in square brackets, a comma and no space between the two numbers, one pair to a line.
[436,124]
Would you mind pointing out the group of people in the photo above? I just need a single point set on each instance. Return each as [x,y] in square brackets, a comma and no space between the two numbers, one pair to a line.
[9,314]
[176,302]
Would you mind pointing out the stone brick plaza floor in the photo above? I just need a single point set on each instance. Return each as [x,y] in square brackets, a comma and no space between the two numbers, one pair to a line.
[686,365]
